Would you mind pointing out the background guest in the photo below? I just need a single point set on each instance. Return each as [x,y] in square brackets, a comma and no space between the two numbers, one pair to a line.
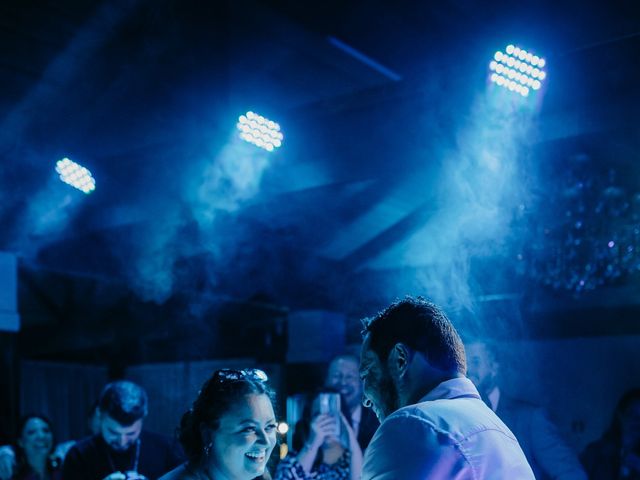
[325,447]
[34,450]
[343,376]
[548,454]
[122,449]
[616,455]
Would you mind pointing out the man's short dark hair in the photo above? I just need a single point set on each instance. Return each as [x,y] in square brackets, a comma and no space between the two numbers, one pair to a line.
[422,326]
[123,401]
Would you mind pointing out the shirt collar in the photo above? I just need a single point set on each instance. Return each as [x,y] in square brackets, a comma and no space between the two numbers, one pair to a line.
[494,398]
[452,388]
[356,416]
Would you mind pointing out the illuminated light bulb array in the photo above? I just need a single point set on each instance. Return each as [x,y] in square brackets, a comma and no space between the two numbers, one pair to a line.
[75,175]
[260,131]
[517,70]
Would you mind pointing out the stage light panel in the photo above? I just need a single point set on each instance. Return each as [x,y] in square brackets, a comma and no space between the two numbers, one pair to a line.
[260,131]
[518,70]
[75,175]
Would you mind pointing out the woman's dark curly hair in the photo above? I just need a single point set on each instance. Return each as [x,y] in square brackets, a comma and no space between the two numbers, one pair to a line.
[216,397]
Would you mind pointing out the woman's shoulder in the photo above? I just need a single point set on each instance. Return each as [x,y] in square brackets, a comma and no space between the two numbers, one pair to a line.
[179,473]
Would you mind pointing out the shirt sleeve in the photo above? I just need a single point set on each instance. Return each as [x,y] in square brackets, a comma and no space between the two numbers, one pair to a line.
[551,452]
[408,447]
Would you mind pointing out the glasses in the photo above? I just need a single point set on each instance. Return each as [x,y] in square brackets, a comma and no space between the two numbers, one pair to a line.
[226,375]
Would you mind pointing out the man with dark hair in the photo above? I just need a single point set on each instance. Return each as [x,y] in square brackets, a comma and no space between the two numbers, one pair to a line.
[121,450]
[343,376]
[434,424]
[546,451]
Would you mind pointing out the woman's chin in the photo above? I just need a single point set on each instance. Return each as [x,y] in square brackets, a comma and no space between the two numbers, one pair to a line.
[255,467]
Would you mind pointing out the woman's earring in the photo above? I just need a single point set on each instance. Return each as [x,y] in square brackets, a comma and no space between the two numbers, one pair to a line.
[207,449]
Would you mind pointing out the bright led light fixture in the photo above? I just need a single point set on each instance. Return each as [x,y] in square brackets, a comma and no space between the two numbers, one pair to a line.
[75,175]
[517,70]
[260,131]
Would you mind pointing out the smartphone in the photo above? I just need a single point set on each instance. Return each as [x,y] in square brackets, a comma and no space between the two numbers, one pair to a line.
[329,403]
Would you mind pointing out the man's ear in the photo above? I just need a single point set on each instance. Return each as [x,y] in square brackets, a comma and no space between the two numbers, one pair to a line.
[399,359]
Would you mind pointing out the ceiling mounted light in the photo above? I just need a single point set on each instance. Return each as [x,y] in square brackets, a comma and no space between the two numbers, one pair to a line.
[75,175]
[518,70]
[260,131]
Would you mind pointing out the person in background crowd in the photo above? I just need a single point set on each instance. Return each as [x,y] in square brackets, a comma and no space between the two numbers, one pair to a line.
[434,424]
[616,455]
[8,461]
[343,376]
[325,447]
[230,431]
[34,459]
[548,454]
[122,449]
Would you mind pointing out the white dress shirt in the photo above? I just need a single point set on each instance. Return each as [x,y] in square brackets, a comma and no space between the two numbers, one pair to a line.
[449,434]
[494,398]
[356,418]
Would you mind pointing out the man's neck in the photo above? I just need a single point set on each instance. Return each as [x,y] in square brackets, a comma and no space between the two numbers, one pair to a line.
[422,388]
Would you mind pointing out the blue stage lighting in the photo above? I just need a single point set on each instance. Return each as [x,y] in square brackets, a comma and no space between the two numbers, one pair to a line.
[518,70]
[260,131]
[75,175]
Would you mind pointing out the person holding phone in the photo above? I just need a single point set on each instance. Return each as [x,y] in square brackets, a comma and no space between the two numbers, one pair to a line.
[343,376]
[325,445]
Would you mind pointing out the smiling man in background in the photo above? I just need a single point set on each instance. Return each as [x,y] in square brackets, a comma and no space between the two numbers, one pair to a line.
[548,454]
[343,376]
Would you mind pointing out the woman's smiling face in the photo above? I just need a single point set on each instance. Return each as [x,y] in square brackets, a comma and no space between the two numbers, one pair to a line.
[36,437]
[244,440]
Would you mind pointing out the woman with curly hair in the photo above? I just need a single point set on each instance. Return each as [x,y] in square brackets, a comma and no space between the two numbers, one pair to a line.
[34,448]
[230,431]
